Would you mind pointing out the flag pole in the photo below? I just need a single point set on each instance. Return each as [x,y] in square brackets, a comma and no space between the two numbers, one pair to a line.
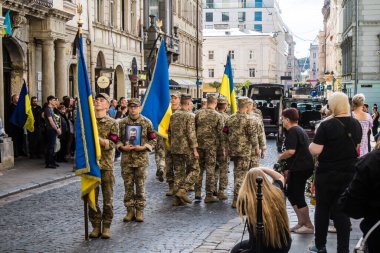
[85,198]
[85,202]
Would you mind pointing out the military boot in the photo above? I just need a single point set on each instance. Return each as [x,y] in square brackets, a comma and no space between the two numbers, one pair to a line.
[177,201]
[95,232]
[233,205]
[139,216]
[222,195]
[106,234]
[211,199]
[182,194]
[198,194]
[170,191]
[160,175]
[130,216]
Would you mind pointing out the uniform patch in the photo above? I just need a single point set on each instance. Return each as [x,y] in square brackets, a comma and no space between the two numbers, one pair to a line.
[113,138]
[225,130]
[152,136]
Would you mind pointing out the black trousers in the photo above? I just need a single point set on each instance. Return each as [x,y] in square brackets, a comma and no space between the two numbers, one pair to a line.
[328,187]
[51,137]
[34,139]
[295,189]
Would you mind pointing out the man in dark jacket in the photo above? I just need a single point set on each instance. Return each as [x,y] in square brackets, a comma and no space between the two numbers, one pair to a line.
[35,137]
[362,200]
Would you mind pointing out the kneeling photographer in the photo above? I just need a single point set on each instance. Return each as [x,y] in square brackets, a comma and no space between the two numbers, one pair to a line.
[299,167]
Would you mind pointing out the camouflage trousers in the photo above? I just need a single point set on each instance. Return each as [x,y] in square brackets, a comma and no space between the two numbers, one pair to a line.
[221,170]
[159,153]
[97,217]
[169,167]
[241,167]
[255,160]
[186,171]
[207,162]
[134,185]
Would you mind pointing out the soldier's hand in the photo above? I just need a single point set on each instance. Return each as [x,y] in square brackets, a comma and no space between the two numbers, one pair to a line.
[196,155]
[257,151]
[59,132]
[139,148]
[128,147]
[263,153]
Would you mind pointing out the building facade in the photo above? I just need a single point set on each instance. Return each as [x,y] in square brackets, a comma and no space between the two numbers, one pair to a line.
[39,50]
[360,47]
[255,56]
[183,38]
[313,61]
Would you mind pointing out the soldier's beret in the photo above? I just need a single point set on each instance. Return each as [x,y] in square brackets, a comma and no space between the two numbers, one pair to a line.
[103,95]
[243,101]
[176,94]
[222,100]
[185,96]
[133,102]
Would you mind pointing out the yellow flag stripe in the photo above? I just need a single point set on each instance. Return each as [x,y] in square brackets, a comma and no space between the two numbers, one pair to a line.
[29,124]
[94,128]
[164,124]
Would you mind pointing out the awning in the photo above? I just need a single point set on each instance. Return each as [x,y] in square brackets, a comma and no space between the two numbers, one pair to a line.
[184,83]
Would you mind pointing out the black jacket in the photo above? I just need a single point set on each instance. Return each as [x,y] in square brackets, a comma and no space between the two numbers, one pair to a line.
[362,198]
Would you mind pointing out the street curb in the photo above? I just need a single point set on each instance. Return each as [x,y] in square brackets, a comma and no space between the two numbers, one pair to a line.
[37,185]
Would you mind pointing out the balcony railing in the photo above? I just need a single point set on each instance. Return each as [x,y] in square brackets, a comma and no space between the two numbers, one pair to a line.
[44,3]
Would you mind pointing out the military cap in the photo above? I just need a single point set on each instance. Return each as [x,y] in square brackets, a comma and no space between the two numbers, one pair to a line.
[222,100]
[103,95]
[185,96]
[176,94]
[250,101]
[204,100]
[134,102]
[243,101]
[254,103]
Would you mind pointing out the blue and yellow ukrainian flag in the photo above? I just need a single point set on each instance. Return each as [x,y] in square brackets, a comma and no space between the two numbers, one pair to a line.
[23,115]
[87,153]
[156,104]
[227,86]
[7,30]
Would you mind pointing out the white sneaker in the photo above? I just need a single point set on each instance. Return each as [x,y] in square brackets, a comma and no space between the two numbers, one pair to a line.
[304,230]
[292,229]
[331,229]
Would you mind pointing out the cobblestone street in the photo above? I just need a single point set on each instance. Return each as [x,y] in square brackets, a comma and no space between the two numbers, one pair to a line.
[52,221]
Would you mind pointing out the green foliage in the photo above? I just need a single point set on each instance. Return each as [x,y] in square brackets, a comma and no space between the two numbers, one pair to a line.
[215,85]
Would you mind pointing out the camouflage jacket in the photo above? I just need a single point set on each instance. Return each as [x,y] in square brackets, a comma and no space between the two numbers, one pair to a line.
[258,111]
[209,129]
[147,137]
[182,137]
[260,130]
[109,131]
[242,134]
[225,116]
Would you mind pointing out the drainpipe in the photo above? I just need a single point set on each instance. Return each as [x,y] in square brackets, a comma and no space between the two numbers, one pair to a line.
[357,49]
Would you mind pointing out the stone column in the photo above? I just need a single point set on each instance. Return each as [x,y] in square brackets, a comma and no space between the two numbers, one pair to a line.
[61,82]
[48,80]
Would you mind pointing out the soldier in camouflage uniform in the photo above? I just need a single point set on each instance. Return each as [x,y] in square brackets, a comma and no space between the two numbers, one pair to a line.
[183,144]
[159,155]
[255,158]
[108,134]
[134,159]
[209,129]
[242,135]
[222,160]
[256,110]
[175,105]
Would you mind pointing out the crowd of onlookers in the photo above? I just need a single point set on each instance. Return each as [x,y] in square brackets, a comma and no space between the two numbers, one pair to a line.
[54,129]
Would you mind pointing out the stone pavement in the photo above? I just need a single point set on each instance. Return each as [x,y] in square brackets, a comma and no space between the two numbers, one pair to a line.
[31,173]
[51,220]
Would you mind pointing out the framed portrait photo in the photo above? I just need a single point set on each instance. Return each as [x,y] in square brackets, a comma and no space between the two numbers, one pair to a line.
[133,135]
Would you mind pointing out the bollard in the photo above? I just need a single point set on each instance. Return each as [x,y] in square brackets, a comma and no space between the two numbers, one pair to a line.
[259,216]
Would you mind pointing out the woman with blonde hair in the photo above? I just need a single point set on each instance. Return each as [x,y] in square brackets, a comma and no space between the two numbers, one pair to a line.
[365,120]
[276,237]
[335,143]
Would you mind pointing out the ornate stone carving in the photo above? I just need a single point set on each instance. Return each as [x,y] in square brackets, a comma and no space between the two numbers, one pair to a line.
[19,20]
